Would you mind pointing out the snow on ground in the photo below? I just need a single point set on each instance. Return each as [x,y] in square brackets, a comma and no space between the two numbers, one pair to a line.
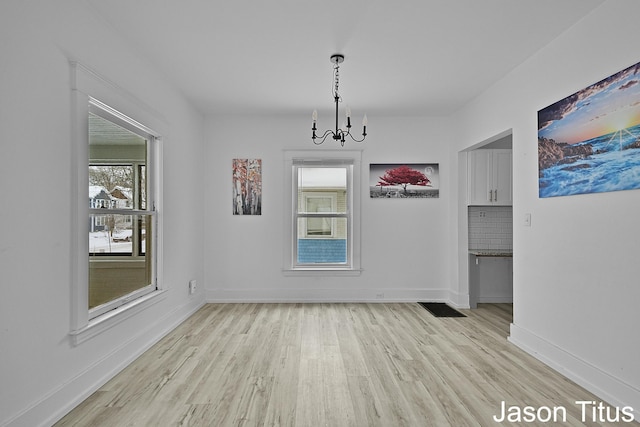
[99,242]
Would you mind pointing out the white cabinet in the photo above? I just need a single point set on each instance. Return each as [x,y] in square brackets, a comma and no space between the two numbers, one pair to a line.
[489,177]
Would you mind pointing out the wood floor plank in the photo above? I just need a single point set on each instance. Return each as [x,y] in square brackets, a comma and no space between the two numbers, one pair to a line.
[330,364]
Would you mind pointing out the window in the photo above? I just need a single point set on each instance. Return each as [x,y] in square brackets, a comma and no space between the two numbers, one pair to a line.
[121,214]
[116,235]
[323,234]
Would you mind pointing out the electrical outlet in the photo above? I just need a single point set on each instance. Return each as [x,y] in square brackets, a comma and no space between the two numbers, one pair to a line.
[192,286]
[379,296]
[482,214]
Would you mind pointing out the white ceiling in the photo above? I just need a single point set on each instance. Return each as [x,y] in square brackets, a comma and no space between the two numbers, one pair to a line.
[402,56]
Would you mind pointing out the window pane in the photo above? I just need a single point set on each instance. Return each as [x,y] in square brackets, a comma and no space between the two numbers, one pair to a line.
[318,249]
[120,255]
[114,277]
[330,181]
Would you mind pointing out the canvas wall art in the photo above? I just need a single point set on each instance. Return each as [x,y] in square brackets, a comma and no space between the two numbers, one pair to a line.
[404,180]
[589,142]
[247,186]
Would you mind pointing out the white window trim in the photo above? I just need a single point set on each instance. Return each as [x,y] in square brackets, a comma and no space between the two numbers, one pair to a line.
[86,85]
[317,156]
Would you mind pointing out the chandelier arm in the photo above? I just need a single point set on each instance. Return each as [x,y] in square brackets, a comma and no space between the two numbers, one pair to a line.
[357,140]
[323,137]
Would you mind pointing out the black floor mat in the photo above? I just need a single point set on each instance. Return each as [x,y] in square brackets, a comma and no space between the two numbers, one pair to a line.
[440,309]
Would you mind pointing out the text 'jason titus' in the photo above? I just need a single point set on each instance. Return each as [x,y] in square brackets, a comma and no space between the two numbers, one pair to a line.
[589,410]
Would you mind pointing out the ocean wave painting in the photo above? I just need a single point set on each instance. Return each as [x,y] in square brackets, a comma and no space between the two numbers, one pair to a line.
[589,142]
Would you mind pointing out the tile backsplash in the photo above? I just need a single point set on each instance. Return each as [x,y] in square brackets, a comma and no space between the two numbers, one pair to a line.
[491,227]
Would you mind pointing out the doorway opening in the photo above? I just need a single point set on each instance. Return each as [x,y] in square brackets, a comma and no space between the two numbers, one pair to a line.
[485,223]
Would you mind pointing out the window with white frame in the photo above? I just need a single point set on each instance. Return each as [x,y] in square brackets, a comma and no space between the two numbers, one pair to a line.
[121,234]
[324,231]
[116,237]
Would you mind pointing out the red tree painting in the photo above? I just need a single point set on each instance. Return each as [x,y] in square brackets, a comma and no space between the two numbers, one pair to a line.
[403,176]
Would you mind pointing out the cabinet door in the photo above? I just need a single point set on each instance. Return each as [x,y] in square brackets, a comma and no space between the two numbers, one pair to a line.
[502,177]
[479,176]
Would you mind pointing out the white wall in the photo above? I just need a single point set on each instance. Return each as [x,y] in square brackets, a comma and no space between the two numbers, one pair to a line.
[576,271]
[41,374]
[404,241]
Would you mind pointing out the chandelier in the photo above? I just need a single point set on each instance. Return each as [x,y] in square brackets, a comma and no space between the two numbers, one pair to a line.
[338,134]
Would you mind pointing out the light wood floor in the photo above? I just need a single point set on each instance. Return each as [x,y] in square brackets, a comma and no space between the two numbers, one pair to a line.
[330,365]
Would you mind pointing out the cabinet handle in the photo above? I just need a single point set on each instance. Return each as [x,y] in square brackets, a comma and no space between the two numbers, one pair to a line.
[491,195]
[495,194]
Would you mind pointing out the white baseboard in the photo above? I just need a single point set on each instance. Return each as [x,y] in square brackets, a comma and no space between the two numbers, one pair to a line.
[458,300]
[498,299]
[325,295]
[58,402]
[609,388]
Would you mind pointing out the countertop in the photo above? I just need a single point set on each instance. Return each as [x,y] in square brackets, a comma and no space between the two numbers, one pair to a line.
[491,252]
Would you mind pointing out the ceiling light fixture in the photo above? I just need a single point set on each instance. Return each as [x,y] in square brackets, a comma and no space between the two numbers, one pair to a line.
[338,134]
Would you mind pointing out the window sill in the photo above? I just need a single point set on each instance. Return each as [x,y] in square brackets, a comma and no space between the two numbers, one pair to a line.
[108,320]
[335,272]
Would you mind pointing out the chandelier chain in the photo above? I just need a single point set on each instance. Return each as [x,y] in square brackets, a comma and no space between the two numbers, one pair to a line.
[336,78]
